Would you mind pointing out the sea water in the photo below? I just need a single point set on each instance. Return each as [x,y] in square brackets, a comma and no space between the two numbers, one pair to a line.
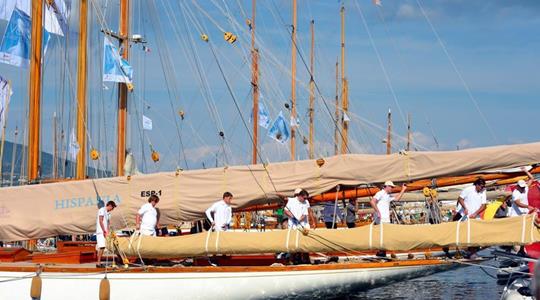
[464,283]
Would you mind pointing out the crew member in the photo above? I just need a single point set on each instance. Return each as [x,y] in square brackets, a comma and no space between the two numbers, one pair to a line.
[520,201]
[299,211]
[222,213]
[147,219]
[103,229]
[472,200]
[381,202]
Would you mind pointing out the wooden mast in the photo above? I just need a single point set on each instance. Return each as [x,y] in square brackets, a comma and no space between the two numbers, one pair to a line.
[293,84]
[34,108]
[344,88]
[254,83]
[408,132]
[389,133]
[81,90]
[336,114]
[122,90]
[312,93]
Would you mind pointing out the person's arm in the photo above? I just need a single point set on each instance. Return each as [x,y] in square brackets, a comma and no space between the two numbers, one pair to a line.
[523,205]
[373,203]
[461,202]
[403,189]
[105,231]
[312,218]
[531,178]
[209,212]
[479,211]
[138,221]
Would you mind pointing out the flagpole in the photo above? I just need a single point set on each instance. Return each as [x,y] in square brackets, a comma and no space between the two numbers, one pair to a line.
[6,109]
[255,84]
[293,84]
[81,90]
[122,90]
[34,111]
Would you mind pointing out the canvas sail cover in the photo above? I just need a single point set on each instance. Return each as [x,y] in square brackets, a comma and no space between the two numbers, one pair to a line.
[506,231]
[36,211]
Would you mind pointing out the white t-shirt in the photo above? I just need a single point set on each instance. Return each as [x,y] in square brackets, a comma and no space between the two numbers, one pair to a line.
[106,216]
[523,199]
[222,215]
[149,217]
[298,210]
[472,199]
[383,200]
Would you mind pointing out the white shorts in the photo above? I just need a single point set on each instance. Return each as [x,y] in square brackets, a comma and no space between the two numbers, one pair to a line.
[148,232]
[100,241]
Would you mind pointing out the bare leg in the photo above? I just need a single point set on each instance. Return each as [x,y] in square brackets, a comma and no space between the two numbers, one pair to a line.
[99,254]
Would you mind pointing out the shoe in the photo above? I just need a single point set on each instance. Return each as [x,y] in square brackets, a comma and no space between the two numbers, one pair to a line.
[100,266]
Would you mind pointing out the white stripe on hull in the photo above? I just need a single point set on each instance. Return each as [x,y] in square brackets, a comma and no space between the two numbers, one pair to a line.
[213,285]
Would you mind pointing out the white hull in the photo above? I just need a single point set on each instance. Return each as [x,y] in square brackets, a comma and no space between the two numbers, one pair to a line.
[213,285]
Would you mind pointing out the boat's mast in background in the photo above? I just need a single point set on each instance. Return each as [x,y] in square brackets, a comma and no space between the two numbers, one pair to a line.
[312,93]
[254,83]
[55,148]
[336,115]
[293,82]
[81,90]
[408,132]
[122,90]
[4,133]
[389,133]
[344,89]
[13,154]
[34,113]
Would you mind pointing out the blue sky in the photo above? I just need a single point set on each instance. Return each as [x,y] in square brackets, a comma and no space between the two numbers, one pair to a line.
[492,44]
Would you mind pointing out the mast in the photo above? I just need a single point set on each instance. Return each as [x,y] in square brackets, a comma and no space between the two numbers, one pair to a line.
[344,88]
[254,83]
[408,132]
[312,94]
[81,90]
[4,135]
[122,90]
[293,84]
[336,114]
[34,112]
[55,148]
[13,152]
[389,133]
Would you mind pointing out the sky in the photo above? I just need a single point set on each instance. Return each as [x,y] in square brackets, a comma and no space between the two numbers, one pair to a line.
[465,71]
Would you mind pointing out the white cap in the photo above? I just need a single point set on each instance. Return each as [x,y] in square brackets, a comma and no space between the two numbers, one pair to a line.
[522,183]
[389,183]
[297,191]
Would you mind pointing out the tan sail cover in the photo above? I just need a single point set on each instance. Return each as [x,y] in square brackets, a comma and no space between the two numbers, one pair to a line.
[36,211]
[507,231]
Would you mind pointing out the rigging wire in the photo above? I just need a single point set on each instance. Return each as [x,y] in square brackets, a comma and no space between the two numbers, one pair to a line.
[381,63]
[458,73]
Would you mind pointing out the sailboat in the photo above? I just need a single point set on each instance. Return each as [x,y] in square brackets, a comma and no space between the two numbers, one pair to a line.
[69,207]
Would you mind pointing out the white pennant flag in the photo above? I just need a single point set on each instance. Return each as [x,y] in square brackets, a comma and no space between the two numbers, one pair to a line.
[146,123]
[73,146]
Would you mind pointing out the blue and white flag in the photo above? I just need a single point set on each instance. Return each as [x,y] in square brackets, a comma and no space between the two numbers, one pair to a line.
[15,48]
[279,130]
[55,17]
[264,117]
[115,68]
[146,123]
[5,94]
